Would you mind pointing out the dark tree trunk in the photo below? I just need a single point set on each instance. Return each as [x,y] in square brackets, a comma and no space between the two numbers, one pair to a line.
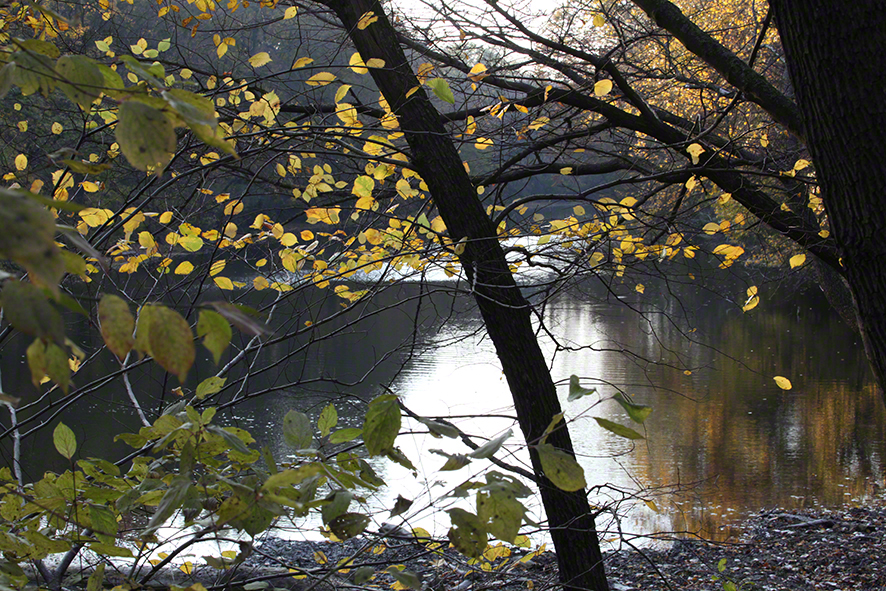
[836,55]
[505,311]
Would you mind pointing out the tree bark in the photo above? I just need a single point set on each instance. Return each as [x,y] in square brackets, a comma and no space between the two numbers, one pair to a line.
[505,311]
[836,60]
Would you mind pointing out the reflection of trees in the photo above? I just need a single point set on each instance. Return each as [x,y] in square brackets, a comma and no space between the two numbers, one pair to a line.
[727,426]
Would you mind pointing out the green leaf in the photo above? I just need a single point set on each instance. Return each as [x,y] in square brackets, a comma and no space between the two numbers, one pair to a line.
[104,523]
[292,477]
[170,340]
[117,325]
[382,424]
[210,385]
[64,440]
[453,461]
[34,72]
[82,80]
[363,574]
[86,167]
[407,578]
[149,74]
[576,391]
[112,81]
[345,435]
[7,76]
[501,513]
[493,445]
[401,505]
[619,430]
[36,355]
[561,468]
[26,308]
[337,504]
[97,578]
[637,412]
[348,525]
[146,136]
[172,499]
[328,419]
[243,317]
[297,430]
[199,114]
[467,533]
[28,237]
[57,367]
[40,46]
[440,428]
[441,89]
[216,333]
[110,550]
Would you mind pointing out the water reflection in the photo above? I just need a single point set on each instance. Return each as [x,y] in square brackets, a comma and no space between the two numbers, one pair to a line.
[723,441]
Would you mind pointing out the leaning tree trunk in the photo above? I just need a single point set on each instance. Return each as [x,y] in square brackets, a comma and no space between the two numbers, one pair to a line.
[505,312]
[836,58]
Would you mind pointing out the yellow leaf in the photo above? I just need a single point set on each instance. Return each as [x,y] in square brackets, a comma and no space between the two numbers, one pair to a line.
[95,217]
[801,164]
[782,382]
[321,79]
[599,21]
[191,243]
[89,186]
[260,283]
[477,73]
[356,64]
[307,235]
[797,260]
[290,12]
[640,288]
[711,228]
[146,240]
[367,19]
[751,304]
[482,143]
[223,283]
[217,267]
[603,87]
[184,268]
[260,59]
[695,150]
[375,63]
[578,210]
[341,92]
[302,62]
[566,170]
[187,567]
[57,128]
[288,239]
[21,162]
[538,123]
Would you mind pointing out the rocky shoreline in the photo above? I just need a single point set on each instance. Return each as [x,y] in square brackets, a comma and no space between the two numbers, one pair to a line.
[779,550]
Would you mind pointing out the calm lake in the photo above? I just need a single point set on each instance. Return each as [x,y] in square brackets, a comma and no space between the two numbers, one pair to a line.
[723,440]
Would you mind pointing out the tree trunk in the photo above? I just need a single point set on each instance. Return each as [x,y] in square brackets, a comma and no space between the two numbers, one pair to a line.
[505,312]
[836,58]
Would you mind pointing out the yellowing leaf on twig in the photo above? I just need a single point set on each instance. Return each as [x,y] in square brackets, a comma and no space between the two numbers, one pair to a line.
[367,19]
[783,383]
[797,260]
[695,150]
[321,79]
[260,59]
[602,87]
